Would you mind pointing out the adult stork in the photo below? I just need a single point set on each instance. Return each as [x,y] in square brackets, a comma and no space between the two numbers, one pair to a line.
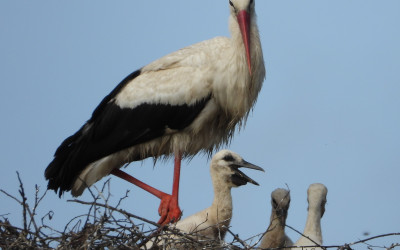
[188,101]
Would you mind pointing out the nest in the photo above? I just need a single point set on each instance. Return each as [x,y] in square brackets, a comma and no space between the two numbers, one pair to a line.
[109,227]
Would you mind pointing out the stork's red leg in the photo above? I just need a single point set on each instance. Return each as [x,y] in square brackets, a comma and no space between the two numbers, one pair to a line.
[169,208]
[121,174]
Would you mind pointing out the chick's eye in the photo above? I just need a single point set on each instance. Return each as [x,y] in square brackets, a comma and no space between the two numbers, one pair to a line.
[228,158]
[231,4]
[251,1]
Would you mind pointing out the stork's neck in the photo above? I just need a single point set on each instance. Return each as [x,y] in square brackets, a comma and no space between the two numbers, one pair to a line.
[275,234]
[276,221]
[313,224]
[257,60]
[221,207]
[241,87]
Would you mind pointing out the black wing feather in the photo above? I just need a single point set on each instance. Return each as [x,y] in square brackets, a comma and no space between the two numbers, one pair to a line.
[112,129]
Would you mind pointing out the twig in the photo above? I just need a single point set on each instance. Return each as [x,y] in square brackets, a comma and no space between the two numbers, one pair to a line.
[22,193]
[316,244]
[116,209]
[374,237]
[236,237]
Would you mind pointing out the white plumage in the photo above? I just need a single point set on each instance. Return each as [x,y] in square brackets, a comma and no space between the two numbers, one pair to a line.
[275,236]
[212,223]
[188,101]
[214,67]
[316,208]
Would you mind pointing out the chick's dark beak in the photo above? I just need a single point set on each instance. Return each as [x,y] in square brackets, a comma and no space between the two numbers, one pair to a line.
[239,178]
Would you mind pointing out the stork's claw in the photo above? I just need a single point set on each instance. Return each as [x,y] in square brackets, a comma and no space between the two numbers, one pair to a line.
[169,210]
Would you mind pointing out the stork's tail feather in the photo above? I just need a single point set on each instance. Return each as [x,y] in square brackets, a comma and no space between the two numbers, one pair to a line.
[60,172]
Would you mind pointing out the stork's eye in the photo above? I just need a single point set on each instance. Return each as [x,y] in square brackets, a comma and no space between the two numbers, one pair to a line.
[251,1]
[228,158]
[233,6]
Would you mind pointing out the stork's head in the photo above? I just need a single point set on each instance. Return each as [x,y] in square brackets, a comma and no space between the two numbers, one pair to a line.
[225,169]
[316,196]
[244,10]
[280,201]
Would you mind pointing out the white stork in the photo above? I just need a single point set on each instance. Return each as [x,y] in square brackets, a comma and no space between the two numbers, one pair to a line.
[213,222]
[275,236]
[316,196]
[188,101]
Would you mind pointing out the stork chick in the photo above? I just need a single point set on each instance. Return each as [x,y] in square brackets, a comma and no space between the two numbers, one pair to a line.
[212,223]
[275,236]
[316,196]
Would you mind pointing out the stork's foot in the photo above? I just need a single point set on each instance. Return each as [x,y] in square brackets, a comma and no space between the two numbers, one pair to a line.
[169,210]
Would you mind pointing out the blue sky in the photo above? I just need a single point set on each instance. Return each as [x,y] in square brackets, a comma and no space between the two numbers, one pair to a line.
[328,111]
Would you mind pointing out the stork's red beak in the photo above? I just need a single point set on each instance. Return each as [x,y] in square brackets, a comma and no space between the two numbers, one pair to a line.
[243,18]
